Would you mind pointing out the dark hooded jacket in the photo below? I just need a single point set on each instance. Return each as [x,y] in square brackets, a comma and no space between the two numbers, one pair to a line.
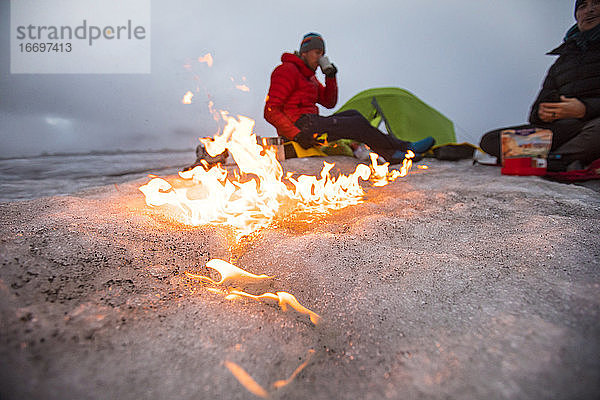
[294,91]
[576,73]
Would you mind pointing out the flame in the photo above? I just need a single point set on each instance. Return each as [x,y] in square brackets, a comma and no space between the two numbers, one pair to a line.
[246,380]
[281,383]
[422,167]
[207,58]
[230,273]
[243,88]
[187,98]
[407,164]
[285,299]
[381,175]
[251,200]
[211,108]
[255,388]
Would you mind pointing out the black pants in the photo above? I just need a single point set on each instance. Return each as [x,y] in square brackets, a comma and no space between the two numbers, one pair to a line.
[571,141]
[351,124]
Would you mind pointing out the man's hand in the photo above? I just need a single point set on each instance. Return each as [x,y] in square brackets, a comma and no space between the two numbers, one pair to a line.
[306,139]
[327,67]
[567,107]
[307,135]
[330,72]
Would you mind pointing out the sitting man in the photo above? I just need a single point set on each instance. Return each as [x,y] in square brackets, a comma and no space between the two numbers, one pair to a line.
[291,106]
[569,102]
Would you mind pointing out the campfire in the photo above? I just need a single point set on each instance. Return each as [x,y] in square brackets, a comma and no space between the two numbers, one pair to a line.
[251,197]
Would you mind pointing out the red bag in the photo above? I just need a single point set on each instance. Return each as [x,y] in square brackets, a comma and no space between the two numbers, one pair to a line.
[578,175]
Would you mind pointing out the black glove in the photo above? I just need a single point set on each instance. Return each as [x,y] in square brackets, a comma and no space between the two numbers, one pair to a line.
[306,140]
[306,136]
[327,67]
[331,71]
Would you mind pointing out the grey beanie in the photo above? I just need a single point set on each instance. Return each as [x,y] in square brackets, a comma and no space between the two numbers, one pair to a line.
[312,41]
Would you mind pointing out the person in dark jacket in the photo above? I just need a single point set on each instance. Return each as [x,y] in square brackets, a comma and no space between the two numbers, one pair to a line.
[569,101]
[295,91]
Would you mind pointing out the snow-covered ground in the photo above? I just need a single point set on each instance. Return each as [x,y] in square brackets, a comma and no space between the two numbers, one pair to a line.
[454,282]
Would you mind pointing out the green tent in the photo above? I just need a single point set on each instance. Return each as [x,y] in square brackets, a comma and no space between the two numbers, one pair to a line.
[404,115]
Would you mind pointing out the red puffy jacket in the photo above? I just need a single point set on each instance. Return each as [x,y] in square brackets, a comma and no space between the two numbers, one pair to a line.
[294,91]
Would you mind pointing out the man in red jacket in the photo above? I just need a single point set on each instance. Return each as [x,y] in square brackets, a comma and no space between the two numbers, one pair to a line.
[295,91]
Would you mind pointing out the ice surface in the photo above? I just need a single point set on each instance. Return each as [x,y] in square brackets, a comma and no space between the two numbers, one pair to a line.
[454,282]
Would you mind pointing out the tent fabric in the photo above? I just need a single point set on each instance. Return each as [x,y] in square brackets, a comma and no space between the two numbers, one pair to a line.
[405,115]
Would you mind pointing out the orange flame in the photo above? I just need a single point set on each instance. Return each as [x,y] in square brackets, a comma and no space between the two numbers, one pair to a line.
[242,86]
[285,299]
[213,112]
[230,272]
[246,380]
[407,164]
[381,175]
[207,58]
[187,97]
[254,387]
[281,383]
[251,204]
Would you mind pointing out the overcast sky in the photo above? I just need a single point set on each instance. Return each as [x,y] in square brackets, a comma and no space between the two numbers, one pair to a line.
[479,62]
